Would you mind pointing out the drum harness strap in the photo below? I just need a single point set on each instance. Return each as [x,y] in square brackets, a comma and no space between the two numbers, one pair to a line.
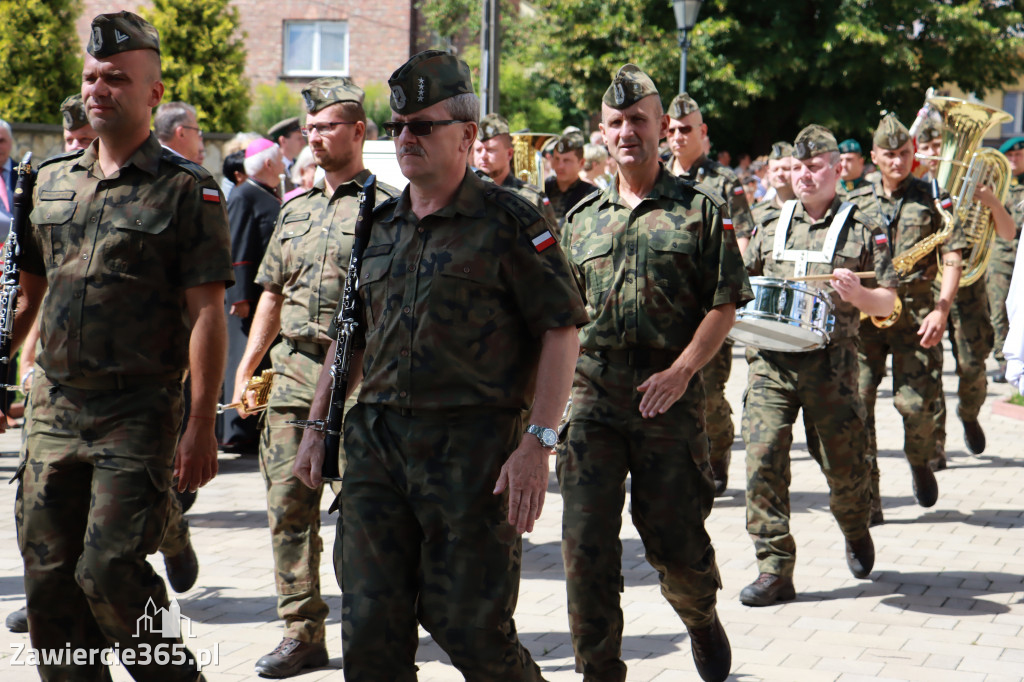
[802,258]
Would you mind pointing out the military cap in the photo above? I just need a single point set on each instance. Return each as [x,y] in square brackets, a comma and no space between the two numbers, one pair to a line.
[492,125]
[682,105]
[814,140]
[569,142]
[780,150]
[285,127]
[850,146]
[323,92]
[121,32]
[931,130]
[629,86]
[1014,144]
[891,134]
[73,111]
[427,78]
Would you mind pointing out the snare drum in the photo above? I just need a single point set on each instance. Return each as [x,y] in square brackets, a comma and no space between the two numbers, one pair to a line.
[784,316]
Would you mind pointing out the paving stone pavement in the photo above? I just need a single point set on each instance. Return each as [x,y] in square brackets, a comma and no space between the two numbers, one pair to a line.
[944,601]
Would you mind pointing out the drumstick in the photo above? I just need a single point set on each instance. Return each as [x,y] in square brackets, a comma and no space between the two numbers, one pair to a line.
[819,278]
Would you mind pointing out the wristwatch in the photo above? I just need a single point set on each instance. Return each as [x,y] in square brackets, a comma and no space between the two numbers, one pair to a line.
[547,437]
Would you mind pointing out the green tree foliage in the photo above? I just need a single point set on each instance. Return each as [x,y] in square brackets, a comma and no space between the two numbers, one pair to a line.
[203,59]
[38,66]
[761,71]
[274,103]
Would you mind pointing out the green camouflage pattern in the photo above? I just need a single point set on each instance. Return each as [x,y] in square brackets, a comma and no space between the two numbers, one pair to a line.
[781,150]
[570,142]
[929,131]
[72,110]
[427,78]
[726,183]
[1000,269]
[720,426]
[812,141]
[177,538]
[118,32]
[454,304]
[128,246]
[533,194]
[561,202]
[764,212]
[323,92]
[681,106]
[629,86]
[890,133]
[492,125]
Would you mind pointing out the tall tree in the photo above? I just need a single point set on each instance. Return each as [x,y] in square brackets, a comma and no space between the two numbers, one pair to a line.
[203,58]
[761,71]
[38,69]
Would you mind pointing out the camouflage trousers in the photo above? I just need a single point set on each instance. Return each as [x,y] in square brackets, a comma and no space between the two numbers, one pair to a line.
[423,538]
[997,288]
[823,383]
[92,503]
[971,335]
[721,431]
[671,495]
[916,380]
[293,509]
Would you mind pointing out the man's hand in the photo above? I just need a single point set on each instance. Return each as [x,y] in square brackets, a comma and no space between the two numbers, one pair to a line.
[239,309]
[309,461]
[525,474]
[243,396]
[932,328]
[847,285]
[663,389]
[195,464]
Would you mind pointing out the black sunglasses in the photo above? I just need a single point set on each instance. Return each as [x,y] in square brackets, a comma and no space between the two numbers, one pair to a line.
[682,130]
[417,128]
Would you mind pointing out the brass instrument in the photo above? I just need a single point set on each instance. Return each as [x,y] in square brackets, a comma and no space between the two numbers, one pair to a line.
[527,160]
[261,385]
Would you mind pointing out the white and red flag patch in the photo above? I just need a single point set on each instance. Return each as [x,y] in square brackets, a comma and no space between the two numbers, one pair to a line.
[881,240]
[726,223]
[738,191]
[947,203]
[543,240]
[211,195]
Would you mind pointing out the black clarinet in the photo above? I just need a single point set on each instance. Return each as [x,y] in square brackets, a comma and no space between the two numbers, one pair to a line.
[11,277]
[346,323]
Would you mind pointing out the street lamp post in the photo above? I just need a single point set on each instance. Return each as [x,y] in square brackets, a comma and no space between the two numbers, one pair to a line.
[686,17]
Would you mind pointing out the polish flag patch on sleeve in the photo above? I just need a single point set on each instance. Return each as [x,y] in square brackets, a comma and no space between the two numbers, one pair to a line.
[881,240]
[543,241]
[726,223]
[738,191]
[211,195]
[947,203]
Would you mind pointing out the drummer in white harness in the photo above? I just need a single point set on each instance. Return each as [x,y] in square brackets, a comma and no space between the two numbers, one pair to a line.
[804,362]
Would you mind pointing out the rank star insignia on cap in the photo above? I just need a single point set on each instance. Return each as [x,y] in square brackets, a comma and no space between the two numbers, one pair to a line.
[426,79]
[891,134]
[73,112]
[1014,144]
[850,146]
[682,105]
[121,32]
[323,92]
[814,140]
[629,86]
[492,125]
[285,127]
[780,150]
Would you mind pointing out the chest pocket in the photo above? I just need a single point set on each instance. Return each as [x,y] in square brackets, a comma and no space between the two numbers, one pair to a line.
[594,256]
[53,219]
[670,255]
[373,283]
[294,226]
[135,239]
[466,292]
[850,255]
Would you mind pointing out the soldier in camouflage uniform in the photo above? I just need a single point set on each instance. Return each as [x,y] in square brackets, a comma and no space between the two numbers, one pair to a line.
[906,209]
[1004,251]
[566,188]
[493,157]
[130,246]
[302,274]
[662,291]
[469,311]
[816,234]
[686,134]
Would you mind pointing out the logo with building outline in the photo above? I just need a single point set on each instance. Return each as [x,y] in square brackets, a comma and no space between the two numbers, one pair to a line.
[165,622]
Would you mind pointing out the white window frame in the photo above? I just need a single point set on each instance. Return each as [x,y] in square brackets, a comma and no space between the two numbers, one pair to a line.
[1016,124]
[314,47]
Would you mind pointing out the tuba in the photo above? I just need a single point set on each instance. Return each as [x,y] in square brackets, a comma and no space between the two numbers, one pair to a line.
[963,164]
[527,160]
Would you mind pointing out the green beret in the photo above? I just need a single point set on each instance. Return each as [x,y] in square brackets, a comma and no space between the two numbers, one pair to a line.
[323,92]
[850,146]
[1014,144]
[629,86]
[284,128]
[682,105]
[930,130]
[492,125]
[73,111]
[121,32]
[780,150]
[426,79]
[891,134]
[812,141]
[569,142]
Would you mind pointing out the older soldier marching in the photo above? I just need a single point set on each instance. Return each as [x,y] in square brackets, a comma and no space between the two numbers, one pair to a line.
[663,276]
[1004,251]
[816,234]
[686,135]
[302,275]
[492,155]
[130,247]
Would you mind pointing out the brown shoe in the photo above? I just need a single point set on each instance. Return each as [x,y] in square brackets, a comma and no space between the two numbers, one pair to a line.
[711,651]
[926,489]
[182,569]
[974,437]
[768,589]
[290,657]
[860,556]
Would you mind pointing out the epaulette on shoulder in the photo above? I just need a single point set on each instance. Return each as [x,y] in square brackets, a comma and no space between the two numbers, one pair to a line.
[389,204]
[584,202]
[294,197]
[192,168]
[521,209]
[483,176]
[64,156]
[863,190]
[722,170]
[717,199]
[390,191]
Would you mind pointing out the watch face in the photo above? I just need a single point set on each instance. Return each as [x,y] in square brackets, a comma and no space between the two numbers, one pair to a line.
[549,437]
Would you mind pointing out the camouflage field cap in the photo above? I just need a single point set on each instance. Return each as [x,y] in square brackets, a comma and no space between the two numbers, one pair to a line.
[850,146]
[569,142]
[121,32]
[629,86]
[931,130]
[812,141]
[891,134]
[283,128]
[73,111]
[1014,144]
[780,150]
[426,79]
[682,105]
[492,125]
[323,92]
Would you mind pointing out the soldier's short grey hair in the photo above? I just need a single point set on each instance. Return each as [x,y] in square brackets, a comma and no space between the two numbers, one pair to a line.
[464,107]
[6,127]
[169,116]
[593,153]
[254,163]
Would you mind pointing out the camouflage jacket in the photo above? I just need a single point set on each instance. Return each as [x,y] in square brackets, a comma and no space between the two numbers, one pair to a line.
[535,195]
[724,181]
[118,254]
[653,272]
[455,303]
[861,246]
[763,212]
[307,258]
[562,202]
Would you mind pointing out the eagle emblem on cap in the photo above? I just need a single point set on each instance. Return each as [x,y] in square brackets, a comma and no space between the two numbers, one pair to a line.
[801,150]
[491,131]
[620,93]
[97,38]
[894,141]
[69,120]
[398,94]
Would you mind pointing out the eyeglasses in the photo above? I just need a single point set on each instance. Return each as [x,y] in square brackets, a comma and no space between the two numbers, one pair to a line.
[199,131]
[682,130]
[324,128]
[417,128]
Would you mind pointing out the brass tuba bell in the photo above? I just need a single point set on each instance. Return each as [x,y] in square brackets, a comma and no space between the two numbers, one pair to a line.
[527,160]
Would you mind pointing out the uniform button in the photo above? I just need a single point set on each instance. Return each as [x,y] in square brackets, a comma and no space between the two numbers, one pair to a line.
[85,256]
[466,269]
[405,352]
[420,230]
[93,219]
[412,268]
[402,394]
[78,294]
[407,310]
[138,222]
[629,278]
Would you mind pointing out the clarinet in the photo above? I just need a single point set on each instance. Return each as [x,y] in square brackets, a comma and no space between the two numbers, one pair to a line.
[346,323]
[11,277]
